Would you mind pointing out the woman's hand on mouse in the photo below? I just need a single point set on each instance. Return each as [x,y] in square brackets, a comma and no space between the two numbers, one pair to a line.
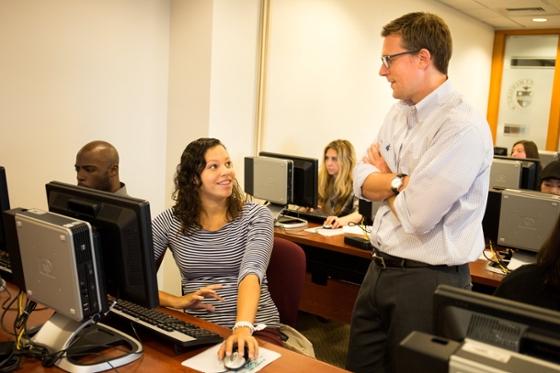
[334,222]
[243,338]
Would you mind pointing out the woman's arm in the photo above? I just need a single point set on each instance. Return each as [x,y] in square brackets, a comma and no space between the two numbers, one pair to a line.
[337,222]
[253,268]
[248,298]
[192,300]
[247,302]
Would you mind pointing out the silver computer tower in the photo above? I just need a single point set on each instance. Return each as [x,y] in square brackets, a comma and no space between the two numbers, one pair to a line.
[505,173]
[527,218]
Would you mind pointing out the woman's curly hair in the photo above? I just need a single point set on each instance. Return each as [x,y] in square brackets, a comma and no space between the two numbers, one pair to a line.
[188,206]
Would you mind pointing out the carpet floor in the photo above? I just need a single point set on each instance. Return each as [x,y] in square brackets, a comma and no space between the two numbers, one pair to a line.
[329,338]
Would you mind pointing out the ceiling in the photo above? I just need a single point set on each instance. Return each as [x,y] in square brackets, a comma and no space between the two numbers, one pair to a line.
[510,14]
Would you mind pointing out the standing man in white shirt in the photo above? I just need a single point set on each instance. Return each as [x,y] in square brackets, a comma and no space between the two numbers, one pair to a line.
[430,164]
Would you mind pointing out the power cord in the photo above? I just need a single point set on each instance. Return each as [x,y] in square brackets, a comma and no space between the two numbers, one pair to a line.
[497,259]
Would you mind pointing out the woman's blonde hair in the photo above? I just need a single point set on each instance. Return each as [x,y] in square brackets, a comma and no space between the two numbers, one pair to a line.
[337,188]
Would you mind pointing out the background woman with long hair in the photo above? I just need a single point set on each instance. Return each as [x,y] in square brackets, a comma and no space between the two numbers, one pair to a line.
[525,149]
[336,197]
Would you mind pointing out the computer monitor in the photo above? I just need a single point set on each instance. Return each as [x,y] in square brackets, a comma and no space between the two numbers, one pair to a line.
[460,314]
[499,150]
[491,218]
[67,263]
[4,205]
[123,230]
[514,173]
[305,178]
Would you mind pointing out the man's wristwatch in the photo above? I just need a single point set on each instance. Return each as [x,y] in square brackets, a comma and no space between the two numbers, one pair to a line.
[397,183]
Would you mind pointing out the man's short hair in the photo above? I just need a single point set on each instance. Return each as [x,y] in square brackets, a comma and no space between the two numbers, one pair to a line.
[423,30]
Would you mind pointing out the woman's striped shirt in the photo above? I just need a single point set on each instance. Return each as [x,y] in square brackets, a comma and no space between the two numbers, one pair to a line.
[241,247]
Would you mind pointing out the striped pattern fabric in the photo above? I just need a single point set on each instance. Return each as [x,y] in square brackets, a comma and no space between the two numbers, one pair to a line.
[446,149]
[226,256]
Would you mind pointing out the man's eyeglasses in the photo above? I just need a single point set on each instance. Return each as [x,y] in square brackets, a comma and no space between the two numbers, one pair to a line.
[386,59]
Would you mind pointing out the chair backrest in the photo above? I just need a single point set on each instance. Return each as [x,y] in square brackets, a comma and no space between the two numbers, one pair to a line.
[286,276]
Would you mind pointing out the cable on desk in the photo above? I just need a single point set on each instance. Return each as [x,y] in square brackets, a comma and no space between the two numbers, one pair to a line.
[5,309]
[363,227]
[25,308]
[497,259]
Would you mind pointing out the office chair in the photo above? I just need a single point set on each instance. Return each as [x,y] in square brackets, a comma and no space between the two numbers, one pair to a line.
[286,275]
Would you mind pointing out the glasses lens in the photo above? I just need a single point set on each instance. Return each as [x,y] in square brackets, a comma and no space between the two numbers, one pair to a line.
[385,60]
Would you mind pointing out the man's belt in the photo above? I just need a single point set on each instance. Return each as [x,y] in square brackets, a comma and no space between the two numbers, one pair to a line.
[383,260]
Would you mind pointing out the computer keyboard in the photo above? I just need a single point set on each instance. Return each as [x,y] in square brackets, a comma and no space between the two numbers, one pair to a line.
[312,217]
[180,333]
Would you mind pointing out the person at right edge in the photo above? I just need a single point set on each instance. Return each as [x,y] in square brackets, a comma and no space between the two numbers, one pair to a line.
[430,164]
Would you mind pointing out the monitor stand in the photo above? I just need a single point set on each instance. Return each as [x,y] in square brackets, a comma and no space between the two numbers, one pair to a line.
[284,221]
[290,222]
[61,333]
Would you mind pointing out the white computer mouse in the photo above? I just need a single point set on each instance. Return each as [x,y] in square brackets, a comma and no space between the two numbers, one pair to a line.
[236,360]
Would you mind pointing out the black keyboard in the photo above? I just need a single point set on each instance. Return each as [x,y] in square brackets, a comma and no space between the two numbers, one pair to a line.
[180,333]
[312,217]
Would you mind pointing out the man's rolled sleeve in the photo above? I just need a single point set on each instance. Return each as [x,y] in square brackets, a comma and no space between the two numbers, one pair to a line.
[360,173]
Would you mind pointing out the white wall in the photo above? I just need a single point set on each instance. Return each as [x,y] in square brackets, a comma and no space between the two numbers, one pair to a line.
[152,75]
[234,77]
[73,71]
[212,85]
[323,63]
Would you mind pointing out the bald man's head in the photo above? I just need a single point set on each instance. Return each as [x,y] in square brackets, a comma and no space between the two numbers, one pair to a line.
[97,166]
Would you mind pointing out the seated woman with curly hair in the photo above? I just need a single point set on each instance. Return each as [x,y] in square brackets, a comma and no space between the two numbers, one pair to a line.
[222,246]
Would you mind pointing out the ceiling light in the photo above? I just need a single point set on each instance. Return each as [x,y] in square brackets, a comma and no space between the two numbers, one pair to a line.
[540,20]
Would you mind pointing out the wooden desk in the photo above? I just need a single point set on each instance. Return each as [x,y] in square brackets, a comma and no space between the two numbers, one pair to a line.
[159,356]
[333,297]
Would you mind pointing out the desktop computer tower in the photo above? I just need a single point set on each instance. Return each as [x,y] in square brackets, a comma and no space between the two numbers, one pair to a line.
[270,179]
[527,218]
[506,173]
[60,264]
[365,208]
[547,156]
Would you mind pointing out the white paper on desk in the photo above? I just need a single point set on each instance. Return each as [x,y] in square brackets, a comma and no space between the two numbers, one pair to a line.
[325,232]
[519,259]
[330,232]
[355,229]
[207,361]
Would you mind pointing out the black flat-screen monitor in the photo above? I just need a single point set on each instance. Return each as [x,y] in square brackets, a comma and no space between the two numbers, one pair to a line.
[123,231]
[4,205]
[305,178]
[515,326]
[515,173]
[491,219]
[499,150]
